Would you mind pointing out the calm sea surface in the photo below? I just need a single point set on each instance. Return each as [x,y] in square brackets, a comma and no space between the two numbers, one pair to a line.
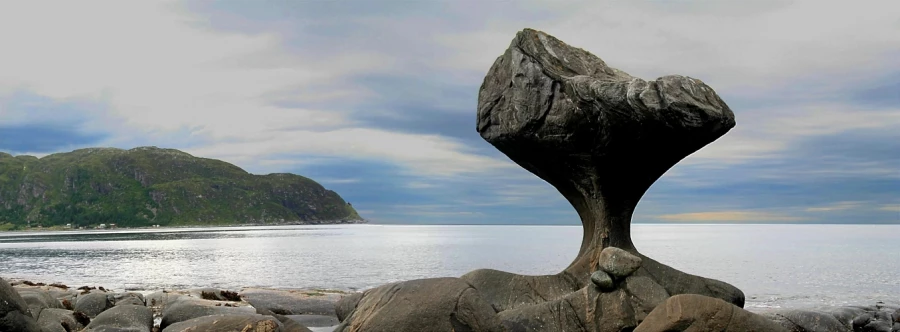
[775,265]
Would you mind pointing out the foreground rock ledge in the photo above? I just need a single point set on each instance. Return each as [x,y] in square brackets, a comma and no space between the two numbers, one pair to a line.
[601,137]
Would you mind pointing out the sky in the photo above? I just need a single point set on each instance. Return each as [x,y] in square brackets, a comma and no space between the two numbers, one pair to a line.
[377,99]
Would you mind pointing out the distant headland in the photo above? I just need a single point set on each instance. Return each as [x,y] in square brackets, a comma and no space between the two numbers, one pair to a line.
[149,186]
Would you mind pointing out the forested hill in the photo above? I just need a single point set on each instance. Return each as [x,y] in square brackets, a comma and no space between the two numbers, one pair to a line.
[148,185]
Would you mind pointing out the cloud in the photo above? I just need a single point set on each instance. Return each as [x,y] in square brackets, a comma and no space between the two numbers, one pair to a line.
[384,94]
[420,185]
[729,216]
[838,206]
[37,124]
[890,208]
[770,133]
[755,47]
[422,154]
[43,139]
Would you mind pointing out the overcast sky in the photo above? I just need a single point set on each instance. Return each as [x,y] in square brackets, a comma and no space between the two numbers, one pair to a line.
[377,99]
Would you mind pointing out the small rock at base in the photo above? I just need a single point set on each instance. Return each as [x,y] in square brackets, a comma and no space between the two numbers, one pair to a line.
[618,263]
[602,280]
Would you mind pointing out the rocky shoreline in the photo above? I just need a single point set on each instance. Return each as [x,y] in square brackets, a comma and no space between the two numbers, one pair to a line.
[29,306]
[37,307]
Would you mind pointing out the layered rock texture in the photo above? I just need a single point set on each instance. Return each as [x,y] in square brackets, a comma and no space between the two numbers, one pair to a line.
[601,137]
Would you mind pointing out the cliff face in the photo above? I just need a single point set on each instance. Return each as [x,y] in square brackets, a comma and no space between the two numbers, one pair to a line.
[148,185]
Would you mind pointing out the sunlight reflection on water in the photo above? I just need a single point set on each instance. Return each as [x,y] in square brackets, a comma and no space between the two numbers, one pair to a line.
[775,265]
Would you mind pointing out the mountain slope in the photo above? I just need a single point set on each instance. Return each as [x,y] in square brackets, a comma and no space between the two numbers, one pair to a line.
[148,185]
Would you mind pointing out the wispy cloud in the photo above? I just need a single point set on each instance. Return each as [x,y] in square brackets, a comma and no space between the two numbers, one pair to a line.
[729,216]
[890,207]
[420,185]
[837,206]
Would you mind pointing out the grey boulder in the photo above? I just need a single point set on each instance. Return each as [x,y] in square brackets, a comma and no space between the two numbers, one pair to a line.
[346,305]
[123,318]
[618,263]
[187,308]
[128,298]
[440,304]
[92,304]
[293,302]
[14,314]
[38,299]
[602,280]
[58,320]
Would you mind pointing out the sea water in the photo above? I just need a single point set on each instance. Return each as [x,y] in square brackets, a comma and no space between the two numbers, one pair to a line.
[775,265]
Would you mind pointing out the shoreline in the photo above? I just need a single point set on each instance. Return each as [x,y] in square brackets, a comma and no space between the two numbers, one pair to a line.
[351,290]
[297,223]
[316,309]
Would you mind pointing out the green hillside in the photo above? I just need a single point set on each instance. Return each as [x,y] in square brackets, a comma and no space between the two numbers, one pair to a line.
[148,185]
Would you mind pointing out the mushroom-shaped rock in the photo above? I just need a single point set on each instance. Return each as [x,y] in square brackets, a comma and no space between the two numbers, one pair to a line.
[597,134]
[601,137]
